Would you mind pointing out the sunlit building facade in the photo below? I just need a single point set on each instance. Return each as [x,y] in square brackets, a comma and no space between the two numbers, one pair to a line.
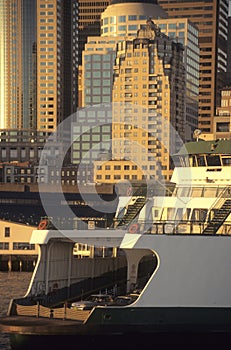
[222,119]
[57,62]
[123,19]
[211,18]
[89,13]
[97,70]
[17,63]
[38,63]
[185,32]
[148,97]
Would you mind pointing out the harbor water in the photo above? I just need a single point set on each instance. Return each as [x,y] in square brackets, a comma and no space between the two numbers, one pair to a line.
[12,284]
[15,284]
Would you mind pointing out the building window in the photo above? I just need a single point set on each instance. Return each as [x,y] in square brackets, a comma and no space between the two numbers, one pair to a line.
[7,231]
[122,19]
[4,245]
[223,127]
[23,246]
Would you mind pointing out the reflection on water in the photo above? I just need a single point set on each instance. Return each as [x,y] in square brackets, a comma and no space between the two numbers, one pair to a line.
[12,285]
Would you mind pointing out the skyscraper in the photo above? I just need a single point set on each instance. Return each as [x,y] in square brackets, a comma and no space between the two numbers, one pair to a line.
[89,21]
[148,98]
[123,19]
[18,63]
[211,17]
[56,62]
[38,60]
[229,52]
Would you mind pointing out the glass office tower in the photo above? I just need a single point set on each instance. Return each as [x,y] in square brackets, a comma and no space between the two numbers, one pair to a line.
[211,18]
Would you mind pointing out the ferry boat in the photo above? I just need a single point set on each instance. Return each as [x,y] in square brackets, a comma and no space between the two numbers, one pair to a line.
[175,248]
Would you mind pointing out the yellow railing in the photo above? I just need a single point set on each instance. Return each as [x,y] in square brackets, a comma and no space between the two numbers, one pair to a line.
[63,313]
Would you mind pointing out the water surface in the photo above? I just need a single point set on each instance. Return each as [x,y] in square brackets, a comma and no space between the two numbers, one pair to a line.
[12,285]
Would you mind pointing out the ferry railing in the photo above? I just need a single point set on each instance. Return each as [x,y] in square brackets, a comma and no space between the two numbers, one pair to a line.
[175,227]
[224,194]
[40,311]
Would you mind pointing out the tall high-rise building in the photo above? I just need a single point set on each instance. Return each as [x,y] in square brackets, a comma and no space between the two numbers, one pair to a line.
[229,52]
[211,17]
[17,63]
[97,70]
[185,32]
[89,13]
[222,121]
[115,27]
[56,62]
[148,105]
[38,60]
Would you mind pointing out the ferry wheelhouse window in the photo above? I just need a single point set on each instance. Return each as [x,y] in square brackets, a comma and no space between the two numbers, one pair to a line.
[201,160]
[226,160]
[213,160]
[181,161]
[7,231]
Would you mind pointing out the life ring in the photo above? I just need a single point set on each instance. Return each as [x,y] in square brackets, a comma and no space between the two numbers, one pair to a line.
[129,191]
[43,224]
[133,228]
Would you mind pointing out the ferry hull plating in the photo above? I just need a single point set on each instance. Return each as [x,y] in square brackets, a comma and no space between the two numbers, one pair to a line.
[117,320]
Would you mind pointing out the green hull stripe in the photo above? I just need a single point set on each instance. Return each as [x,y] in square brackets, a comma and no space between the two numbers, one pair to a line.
[139,317]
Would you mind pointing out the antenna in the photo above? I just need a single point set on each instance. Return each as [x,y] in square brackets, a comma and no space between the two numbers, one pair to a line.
[196,134]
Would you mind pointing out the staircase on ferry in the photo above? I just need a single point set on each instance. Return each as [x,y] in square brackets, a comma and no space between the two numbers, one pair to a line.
[219,218]
[133,210]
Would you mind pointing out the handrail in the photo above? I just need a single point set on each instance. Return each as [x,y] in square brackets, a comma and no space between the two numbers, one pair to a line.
[174,227]
[220,199]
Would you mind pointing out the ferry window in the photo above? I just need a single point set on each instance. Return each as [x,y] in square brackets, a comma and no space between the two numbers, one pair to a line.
[184,161]
[170,213]
[187,214]
[197,192]
[213,160]
[201,160]
[192,161]
[156,213]
[183,192]
[219,190]
[226,161]
[210,192]
[7,231]
[179,214]
[199,214]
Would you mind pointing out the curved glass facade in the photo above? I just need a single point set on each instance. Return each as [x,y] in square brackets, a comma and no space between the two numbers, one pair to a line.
[124,18]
